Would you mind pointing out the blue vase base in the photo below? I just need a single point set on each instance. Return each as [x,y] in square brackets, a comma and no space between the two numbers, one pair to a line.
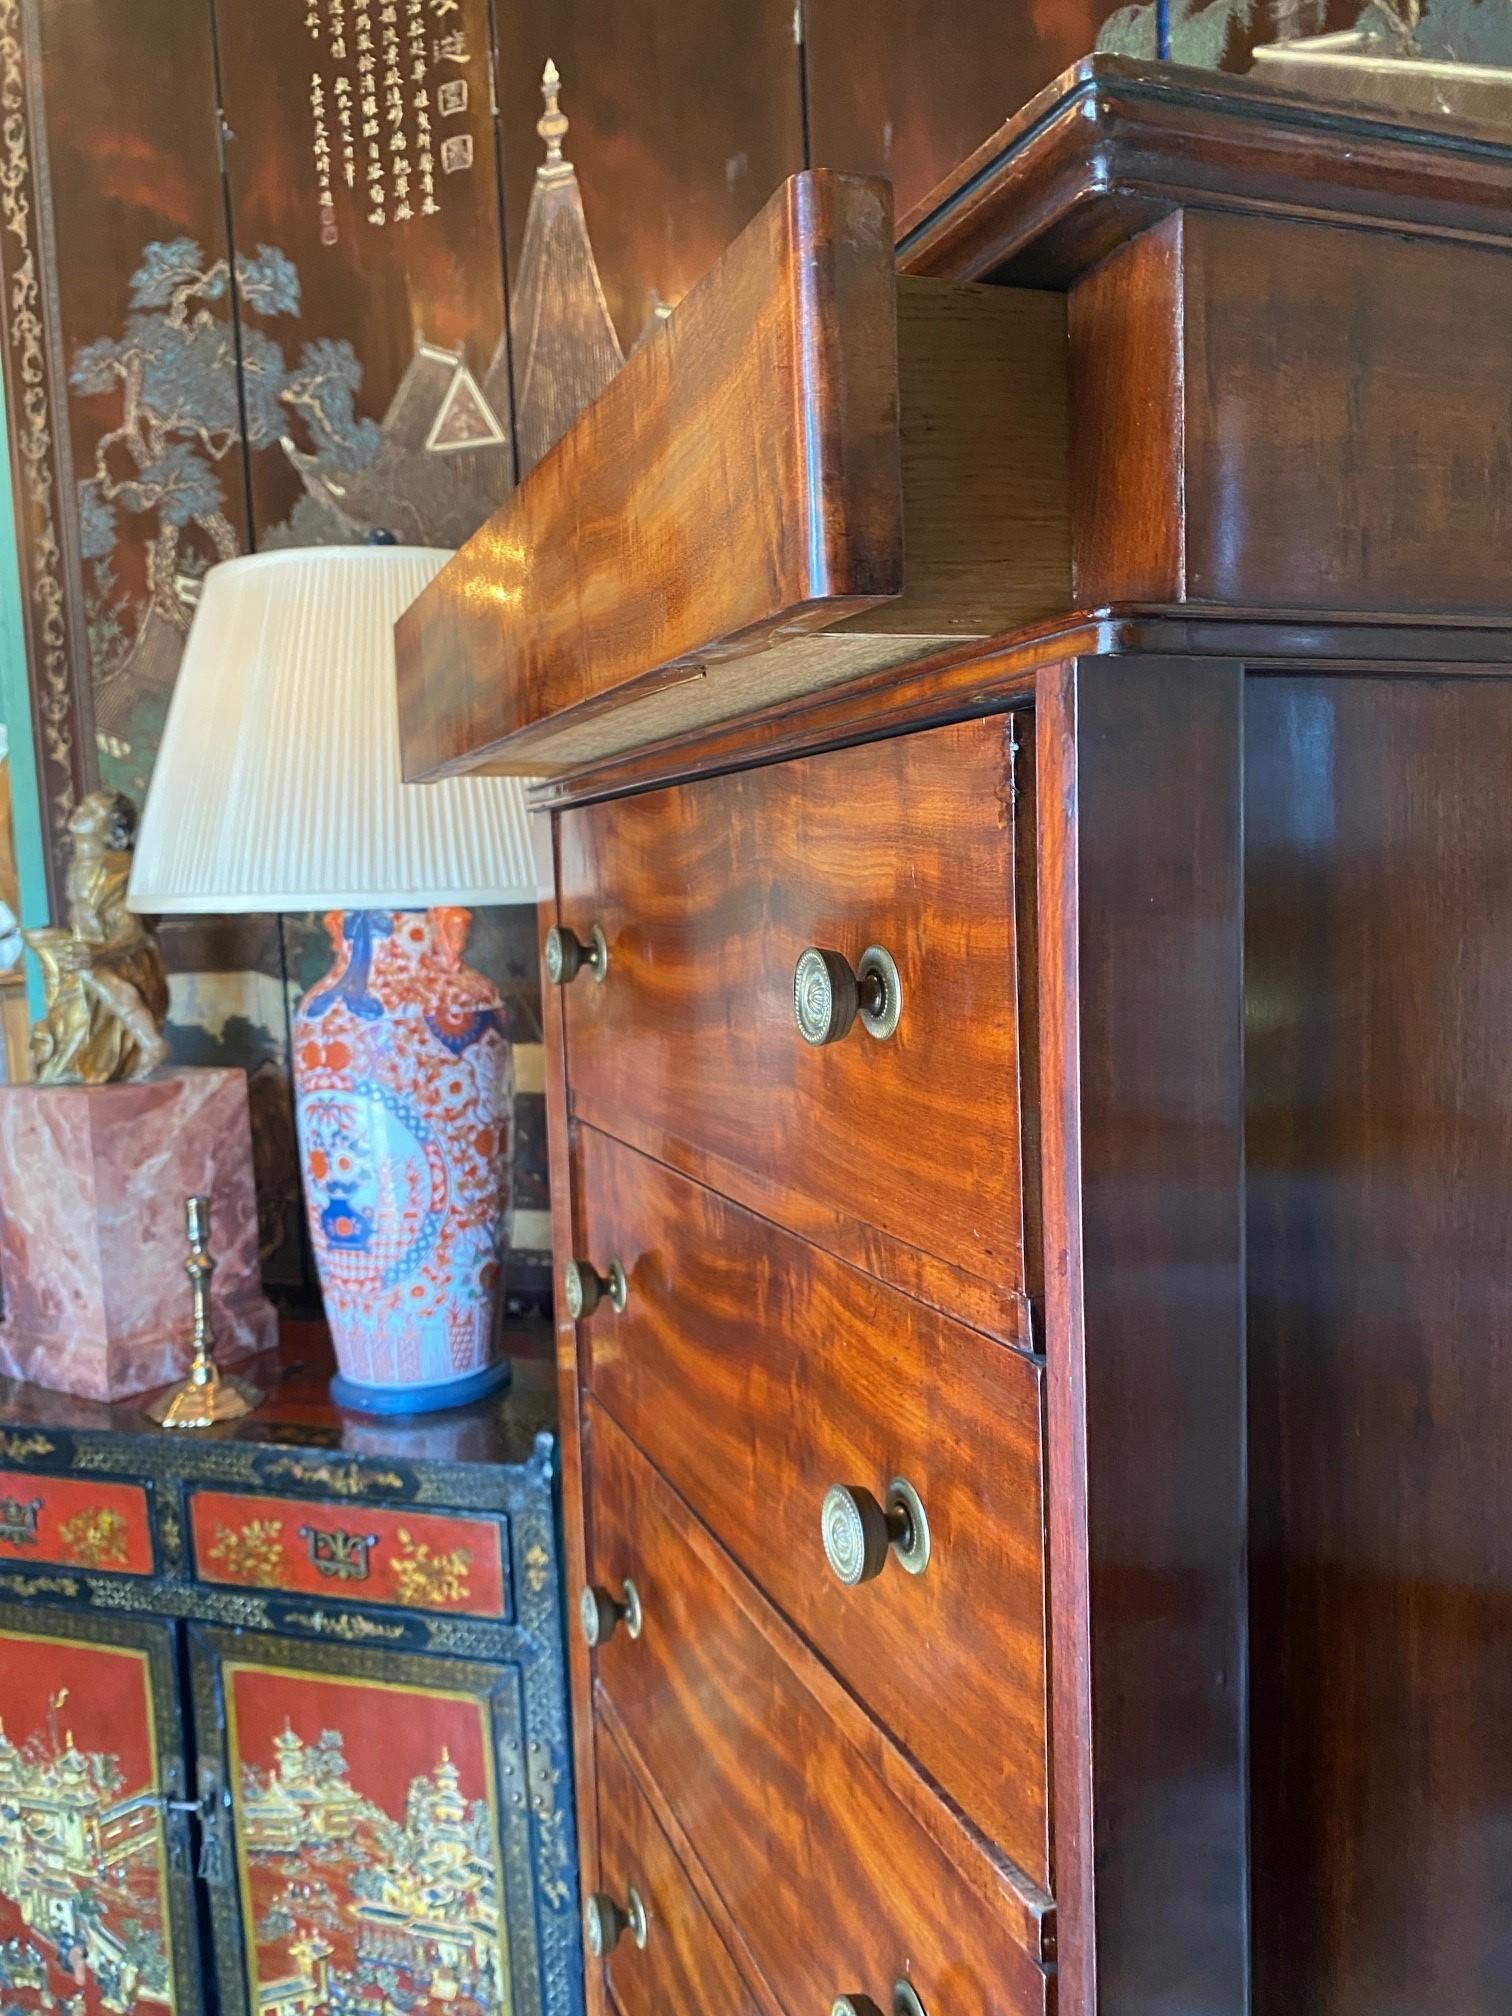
[359,1397]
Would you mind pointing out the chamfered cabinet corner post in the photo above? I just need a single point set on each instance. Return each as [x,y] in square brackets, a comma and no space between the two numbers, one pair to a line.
[1139,784]
[575,1468]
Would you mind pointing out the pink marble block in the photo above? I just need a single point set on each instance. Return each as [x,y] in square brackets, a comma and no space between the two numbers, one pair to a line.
[93,1180]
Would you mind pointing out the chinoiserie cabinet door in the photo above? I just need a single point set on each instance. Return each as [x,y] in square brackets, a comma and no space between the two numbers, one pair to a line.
[97,1906]
[379,1838]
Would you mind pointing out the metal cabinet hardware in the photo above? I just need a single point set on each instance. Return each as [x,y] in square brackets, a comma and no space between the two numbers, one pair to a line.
[19,1521]
[600,1615]
[605,1922]
[337,1554]
[828,996]
[904,2003]
[583,1288]
[214,1804]
[175,1809]
[858,1533]
[567,955]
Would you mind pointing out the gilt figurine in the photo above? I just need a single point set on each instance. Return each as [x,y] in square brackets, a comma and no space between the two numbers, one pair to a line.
[104,983]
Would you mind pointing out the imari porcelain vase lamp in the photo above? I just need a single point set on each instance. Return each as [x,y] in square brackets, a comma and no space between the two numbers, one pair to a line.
[277,787]
[404,1094]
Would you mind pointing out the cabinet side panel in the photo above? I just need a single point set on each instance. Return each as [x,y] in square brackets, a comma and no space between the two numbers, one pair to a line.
[1348,429]
[1379,996]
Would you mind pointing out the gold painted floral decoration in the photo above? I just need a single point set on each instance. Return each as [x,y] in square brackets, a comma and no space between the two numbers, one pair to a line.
[251,1553]
[95,1537]
[424,1576]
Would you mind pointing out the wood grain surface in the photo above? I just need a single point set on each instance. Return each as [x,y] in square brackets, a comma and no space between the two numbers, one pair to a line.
[1348,421]
[755,1373]
[900,1154]
[1264,417]
[835,1888]
[1267,1002]
[1378,908]
[805,444]
[1141,913]
[684,1964]
[1127,391]
[742,468]
[1116,144]
[576,1483]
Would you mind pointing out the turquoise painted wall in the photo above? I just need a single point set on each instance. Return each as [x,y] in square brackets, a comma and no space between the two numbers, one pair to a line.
[16,713]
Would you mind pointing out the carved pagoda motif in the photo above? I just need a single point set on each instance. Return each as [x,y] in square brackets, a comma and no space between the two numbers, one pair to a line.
[443,460]
[565,346]
[442,457]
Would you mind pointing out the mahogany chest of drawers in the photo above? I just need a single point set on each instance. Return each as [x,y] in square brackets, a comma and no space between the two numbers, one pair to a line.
[1023,703]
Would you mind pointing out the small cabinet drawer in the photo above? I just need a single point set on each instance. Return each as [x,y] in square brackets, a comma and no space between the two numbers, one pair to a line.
[901,1150]
[759,1375]
[94,1523]
[451,1562]
[811,443]
[834,1882]
[660,1950]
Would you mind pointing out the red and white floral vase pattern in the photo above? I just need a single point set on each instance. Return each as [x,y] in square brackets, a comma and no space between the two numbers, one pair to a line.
[404,1090]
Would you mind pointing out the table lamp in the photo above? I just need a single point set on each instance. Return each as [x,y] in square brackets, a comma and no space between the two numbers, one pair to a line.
[277,787]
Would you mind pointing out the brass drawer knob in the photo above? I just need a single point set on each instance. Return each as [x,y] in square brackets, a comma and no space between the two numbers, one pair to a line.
[583,1288]
[600,1615]
[605,1923]
[858,1533]
[904,2003]
[567,955]
[828,996]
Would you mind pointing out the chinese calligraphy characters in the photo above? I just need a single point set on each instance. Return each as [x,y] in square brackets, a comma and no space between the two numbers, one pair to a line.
[391,102]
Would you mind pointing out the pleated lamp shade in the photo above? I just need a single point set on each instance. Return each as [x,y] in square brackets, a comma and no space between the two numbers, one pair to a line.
[277,783]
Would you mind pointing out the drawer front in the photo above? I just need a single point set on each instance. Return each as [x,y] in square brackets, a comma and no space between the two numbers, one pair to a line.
[900,1152]
[757,1373]
[314,1547]
[684,1964]
[835,1885]
[74,1522]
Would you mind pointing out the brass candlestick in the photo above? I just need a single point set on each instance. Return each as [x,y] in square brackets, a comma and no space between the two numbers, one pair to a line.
[205,1397]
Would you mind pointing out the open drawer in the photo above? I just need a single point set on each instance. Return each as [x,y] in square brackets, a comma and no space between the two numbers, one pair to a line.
[812,470]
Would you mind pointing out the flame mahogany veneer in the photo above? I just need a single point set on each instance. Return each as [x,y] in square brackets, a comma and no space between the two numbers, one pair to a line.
[812,445]
[1163,1246]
